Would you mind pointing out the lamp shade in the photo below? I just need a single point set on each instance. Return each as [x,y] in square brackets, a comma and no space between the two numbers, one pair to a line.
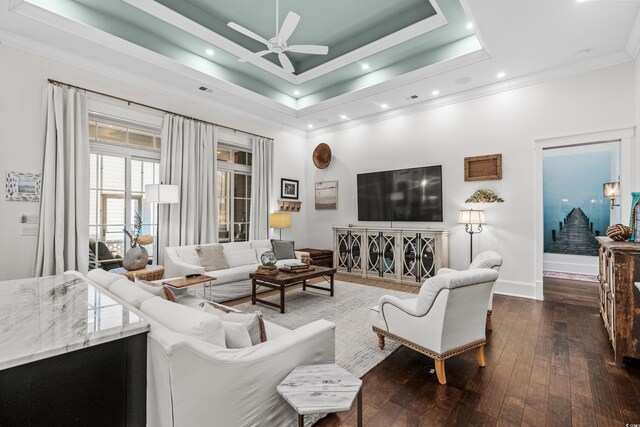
[161,193]
[280,220]
[470,216]
[611,189]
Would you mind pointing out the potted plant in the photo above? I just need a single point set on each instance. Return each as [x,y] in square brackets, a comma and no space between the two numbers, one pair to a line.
[137,257]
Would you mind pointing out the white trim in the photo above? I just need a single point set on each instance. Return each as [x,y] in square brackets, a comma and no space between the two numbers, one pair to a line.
[514,288]
[177,20]
[626,136]
[633,42]
[479,92]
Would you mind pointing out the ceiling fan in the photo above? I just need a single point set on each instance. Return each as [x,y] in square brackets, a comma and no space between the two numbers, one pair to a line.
[278,43]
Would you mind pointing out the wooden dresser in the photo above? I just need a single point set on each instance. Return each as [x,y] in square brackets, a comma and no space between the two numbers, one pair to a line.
[619,295]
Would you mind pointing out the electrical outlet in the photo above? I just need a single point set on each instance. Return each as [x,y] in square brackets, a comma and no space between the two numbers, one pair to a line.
[29,230]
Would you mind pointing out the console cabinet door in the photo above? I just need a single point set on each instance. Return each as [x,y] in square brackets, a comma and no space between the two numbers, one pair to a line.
[342,250]
[382,254]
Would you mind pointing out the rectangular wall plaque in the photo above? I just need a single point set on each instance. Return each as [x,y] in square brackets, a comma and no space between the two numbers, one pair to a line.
[483,168]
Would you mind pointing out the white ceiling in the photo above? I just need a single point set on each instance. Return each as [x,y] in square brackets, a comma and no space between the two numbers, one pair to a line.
[527,40]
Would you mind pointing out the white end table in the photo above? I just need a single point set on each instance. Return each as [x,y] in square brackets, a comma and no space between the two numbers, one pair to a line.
[313,389]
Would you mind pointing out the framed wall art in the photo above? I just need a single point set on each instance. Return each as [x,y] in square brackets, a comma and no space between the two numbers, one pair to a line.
[23,187]
[327,195]
[289,188]
[483,168]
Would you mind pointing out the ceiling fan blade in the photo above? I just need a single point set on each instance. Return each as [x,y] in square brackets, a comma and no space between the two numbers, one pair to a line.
[286,63]
[309,49]
[248,33]
[288,26]
[256,54]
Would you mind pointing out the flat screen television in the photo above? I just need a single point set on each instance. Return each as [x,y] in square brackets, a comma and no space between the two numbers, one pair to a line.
[401,195]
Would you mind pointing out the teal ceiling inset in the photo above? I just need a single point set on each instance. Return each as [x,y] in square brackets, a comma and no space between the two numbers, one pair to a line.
[387,31]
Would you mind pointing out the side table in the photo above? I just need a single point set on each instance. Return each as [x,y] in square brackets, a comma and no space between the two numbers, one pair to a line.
[313,389]
[150,272]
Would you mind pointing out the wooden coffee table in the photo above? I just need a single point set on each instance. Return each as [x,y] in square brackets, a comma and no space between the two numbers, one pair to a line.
[283,279]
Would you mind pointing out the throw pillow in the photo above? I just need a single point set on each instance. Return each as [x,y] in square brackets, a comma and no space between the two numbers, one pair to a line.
[168,294]
[186,320]
[254,322]
[236,335]
[283,249]
[242,257]
[129,292]
[211,257]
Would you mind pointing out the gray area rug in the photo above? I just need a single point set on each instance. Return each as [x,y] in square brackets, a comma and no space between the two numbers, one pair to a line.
[356,344]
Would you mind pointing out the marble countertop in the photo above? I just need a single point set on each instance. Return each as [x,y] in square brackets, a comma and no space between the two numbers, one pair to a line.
[48,316]
[312,389]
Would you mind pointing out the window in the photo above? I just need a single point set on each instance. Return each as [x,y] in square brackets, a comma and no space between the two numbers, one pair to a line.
[234,193]
[118,175]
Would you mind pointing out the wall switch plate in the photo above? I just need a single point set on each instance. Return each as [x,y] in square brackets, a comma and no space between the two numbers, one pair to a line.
[29,230]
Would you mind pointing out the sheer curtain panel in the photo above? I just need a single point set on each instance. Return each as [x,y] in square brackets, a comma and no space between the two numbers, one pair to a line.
[188,160]
[262,181]
[63,234]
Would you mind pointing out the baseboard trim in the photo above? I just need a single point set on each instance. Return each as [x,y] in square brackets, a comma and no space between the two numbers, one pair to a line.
[514,288]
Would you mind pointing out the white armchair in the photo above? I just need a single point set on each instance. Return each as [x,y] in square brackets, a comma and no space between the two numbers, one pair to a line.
[445,319]
[487,259]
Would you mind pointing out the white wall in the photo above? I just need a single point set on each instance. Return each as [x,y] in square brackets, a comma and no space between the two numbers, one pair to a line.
[22,81]
[506,123]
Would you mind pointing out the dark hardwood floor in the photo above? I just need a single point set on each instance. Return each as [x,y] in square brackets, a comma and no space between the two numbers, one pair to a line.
[571,291]
[548,364]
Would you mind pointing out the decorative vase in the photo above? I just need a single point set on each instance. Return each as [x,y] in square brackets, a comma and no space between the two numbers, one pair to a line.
[135,258]
[268,259]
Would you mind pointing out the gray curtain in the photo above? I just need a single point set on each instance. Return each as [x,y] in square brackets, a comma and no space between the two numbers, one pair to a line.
[261,187]
[188,159]
[63,235]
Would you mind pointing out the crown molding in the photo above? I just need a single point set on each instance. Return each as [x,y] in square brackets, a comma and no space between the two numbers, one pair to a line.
[177,20]
[24,44]
[633,42]
[479,92]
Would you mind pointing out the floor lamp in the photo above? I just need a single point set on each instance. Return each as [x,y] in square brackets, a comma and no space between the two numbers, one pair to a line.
[160,194]
[471,218]
[280,221]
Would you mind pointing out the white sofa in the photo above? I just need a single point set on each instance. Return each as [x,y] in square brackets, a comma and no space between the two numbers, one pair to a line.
[445,319]
[231,283]
[192,383]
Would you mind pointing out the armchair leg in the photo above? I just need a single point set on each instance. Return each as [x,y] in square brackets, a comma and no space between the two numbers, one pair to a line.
[489,324]
[480,355]
[381,341]
[442,378]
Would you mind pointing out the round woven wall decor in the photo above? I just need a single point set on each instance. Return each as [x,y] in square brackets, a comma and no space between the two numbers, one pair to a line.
[619,232]
[322,156]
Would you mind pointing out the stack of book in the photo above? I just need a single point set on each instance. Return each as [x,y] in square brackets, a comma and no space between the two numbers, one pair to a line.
[295,266]
[267,270]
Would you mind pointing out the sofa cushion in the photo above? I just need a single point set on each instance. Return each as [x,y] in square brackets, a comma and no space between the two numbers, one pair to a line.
[236,246]
[103,278]
[129,292]
[151,287]
[253,322]
[236,335]
[187,254]
[243,257]
[211,257]
[233,274]
[283,249]
[186,320]
[261,244]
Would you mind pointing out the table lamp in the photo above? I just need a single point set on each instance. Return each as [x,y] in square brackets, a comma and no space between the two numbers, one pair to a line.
[280,221]
[471,218]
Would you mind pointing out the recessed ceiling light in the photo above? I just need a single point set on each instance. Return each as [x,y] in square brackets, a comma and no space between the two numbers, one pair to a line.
[435,92]
[210,52]
[501,74]
[469,25]
[343,117]
[296,92]
[310,126]
[364,66]
[384,106]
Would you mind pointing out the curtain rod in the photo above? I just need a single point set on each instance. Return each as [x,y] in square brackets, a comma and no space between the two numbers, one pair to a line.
[129,102]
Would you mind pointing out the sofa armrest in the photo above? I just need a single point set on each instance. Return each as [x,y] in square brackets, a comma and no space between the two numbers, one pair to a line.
[445,271]
[300,254]
[178,268]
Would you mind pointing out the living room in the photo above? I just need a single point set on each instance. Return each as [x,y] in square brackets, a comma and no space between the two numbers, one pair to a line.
[560,85]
